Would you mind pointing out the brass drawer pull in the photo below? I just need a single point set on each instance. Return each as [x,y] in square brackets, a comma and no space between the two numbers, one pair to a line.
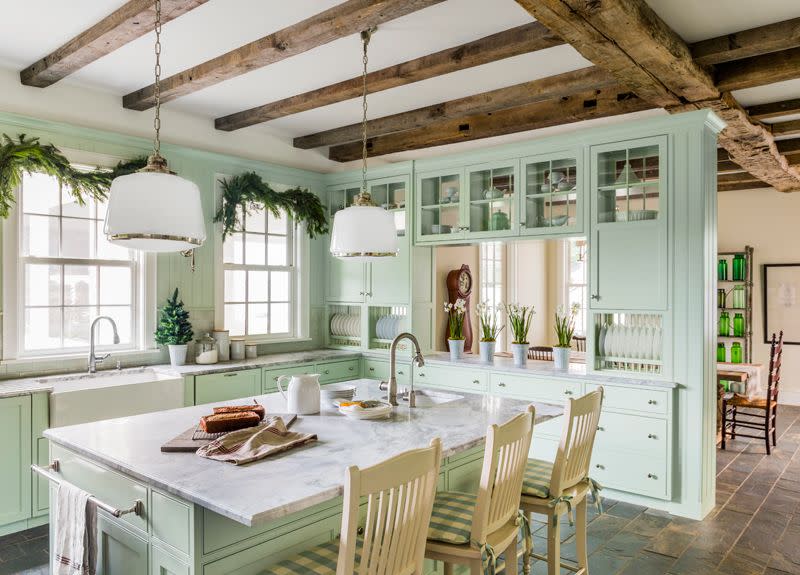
[600,428]
[651,436]
[476,381]
[599,466]
[351,368]
[400,373]
[372,369]
[501,384]
[230,374]
[652,402]
[327,371]
[651,476]
[567,392]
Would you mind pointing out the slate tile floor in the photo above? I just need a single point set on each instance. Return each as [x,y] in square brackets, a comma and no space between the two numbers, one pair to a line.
[753,530]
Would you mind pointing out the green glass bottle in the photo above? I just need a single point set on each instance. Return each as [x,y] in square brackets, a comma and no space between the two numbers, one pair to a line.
[721,297]
[722,270]
[738,325]
[721,352]
[738,267]
[738,297]
[736,352]
[724,324]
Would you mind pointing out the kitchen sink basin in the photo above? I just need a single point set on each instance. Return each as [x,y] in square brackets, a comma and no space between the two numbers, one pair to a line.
[428,398]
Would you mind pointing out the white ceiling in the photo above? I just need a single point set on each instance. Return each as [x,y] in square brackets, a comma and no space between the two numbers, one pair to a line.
[32,29]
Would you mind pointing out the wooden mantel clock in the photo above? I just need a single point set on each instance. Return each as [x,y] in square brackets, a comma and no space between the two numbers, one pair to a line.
[459,286]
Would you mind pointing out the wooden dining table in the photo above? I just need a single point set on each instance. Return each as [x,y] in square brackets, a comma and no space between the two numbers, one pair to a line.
[724,375]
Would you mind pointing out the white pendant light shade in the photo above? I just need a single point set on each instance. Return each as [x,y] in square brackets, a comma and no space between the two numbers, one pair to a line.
[363,233]
[155,212]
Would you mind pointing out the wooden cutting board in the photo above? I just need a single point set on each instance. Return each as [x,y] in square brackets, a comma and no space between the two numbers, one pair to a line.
[185,442]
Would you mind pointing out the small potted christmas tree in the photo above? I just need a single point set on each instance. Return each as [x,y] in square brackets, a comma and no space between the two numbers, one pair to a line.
[174,329]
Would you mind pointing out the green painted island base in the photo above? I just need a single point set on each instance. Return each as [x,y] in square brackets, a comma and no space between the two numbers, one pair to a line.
[176,537]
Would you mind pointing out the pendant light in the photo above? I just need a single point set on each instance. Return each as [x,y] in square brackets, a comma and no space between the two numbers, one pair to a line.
[154,210]
[364,231]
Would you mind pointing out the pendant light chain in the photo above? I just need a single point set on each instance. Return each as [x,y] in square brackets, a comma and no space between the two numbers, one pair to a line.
[157,86]
[365,37]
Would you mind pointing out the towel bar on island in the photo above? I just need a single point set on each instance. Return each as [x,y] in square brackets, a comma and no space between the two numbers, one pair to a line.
[50,471]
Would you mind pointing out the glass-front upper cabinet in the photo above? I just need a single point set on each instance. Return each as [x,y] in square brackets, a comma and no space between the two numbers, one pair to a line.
[438,204]
[391,194]
[551,201]
[492,202]
[629,184]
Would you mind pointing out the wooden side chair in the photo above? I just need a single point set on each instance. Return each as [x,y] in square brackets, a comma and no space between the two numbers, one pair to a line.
[759,413]
[553,489]
[580,342]
[400,493]
[472,530]
[540,352]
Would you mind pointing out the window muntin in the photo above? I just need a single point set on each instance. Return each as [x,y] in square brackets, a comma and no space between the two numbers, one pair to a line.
[492,277]
[575,284]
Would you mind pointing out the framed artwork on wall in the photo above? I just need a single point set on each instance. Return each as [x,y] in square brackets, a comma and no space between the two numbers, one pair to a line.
[781,285]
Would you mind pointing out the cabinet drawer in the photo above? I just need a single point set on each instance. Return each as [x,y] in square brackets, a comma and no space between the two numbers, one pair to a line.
[376,369]
[108,486]
[645,435]
[172,523]
[338,371]
[641,475]
[634,399]
[271,375]
[224,386]
[451,378]
[530,388]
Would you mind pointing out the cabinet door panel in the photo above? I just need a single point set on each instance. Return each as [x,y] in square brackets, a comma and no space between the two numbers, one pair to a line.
[271,375]
[345,280]
[389,279]
[225,386]
[15,453]
[119,551]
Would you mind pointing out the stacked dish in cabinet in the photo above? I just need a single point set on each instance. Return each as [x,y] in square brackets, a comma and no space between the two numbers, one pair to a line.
[630,342]
[389,326]
[345,325]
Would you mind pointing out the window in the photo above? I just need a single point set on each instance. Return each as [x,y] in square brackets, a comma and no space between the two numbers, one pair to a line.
[68,274]
[575,283]
[260,278]
[491,276]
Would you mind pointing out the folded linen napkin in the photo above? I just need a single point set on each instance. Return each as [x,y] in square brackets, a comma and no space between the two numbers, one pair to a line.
[75,537]
[254,443]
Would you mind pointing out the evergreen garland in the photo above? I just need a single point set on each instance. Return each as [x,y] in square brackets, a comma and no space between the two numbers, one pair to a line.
[247,192]
[126,167]
[173,325]
[28,155]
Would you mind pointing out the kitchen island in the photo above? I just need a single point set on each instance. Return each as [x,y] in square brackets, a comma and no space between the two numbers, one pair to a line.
[200,516]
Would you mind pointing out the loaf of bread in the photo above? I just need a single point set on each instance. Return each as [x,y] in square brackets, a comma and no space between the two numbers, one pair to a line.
[222,422]
[256,408]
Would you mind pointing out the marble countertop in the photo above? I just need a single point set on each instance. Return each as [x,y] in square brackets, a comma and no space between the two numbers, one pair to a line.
[290,482]
[269,360]
[27,386]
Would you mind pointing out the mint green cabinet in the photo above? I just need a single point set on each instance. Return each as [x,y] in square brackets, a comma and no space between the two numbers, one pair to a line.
[225,386]
[438,212]
[630,263]
[120,551]
[551,199]
[491,204]
[40,409]
[270,380]
[163,563]
[16,455]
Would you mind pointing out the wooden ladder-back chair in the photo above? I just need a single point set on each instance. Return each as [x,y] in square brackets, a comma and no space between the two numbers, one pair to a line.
[470,529]
[759,413]
[580,342]
[540,352]
[555,489]
[391,539]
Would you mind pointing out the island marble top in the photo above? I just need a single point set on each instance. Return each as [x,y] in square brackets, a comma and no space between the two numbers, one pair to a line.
[293,481]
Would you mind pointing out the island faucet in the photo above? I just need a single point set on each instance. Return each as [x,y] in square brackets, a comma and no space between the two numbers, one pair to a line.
[94,359]
[418,359]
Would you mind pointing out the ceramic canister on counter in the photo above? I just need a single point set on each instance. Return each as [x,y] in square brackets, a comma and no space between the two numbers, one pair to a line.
[250,350]
[237,348]
[222,336]
[206,348]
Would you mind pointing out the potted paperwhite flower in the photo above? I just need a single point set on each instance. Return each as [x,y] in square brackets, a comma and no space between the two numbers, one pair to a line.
[455,315]
[490,329]
[565,328]
[520,318]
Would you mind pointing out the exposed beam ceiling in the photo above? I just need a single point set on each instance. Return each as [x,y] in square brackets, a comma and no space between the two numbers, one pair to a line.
[585,106]
[628,39]
[774,109]
[753,42]
[759,70]
[513,42]
[349,17]
[790,128]
[132,20]
[549,88]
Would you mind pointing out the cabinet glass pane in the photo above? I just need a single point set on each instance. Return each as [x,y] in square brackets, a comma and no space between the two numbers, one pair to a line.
[628,185]
[392,197]
[439,205]
[491,199]
[550,193]
[341,199]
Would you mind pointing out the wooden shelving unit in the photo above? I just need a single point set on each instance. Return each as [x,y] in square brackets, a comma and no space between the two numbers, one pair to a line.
[728,285]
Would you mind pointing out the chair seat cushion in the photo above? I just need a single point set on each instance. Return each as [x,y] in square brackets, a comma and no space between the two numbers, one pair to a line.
[536,482]
[451,521]
[319,560]
[740,401]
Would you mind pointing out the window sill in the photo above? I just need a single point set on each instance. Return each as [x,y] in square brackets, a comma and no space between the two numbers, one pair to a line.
[128,354]
[266,341]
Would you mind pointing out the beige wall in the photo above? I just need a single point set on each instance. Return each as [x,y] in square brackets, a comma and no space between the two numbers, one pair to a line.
[768,221]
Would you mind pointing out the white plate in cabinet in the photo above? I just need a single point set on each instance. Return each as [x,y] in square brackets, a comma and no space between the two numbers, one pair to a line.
[644,435]
[531,388]
[641,475]
[646,400]
[449,378]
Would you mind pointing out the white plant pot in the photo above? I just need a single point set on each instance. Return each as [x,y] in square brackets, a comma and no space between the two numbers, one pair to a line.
[456,349]
[177,354]
[520,353]
[561,358]
[487,351]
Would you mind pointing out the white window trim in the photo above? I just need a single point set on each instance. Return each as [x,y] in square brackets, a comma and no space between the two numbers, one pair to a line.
[300,310]
[563,273]
[144,320]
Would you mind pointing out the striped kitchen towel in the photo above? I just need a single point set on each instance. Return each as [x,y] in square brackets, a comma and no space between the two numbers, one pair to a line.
[254,443]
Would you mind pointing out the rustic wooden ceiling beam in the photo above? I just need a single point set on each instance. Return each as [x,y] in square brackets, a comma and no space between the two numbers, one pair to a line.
[349,17]
[584,106]
[132,20]
[758,70]
[789,128]
[513,42]
[748,185]
[774,109]
[549,88]
[747,43]
[733,178]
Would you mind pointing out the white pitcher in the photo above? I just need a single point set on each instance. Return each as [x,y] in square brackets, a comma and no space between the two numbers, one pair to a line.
[302,393]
